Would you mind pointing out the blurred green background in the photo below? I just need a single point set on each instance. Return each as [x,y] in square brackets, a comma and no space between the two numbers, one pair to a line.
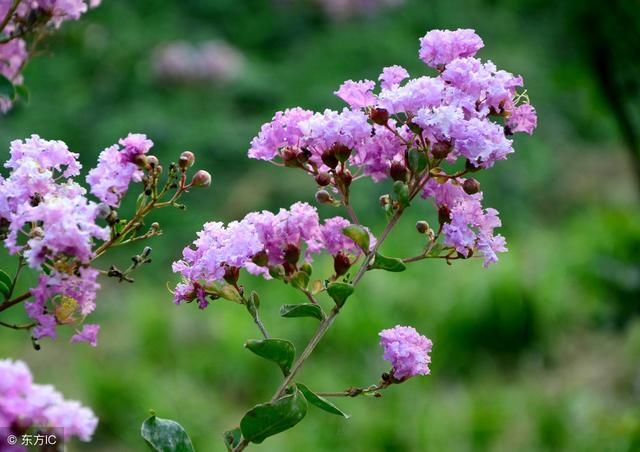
[540,352]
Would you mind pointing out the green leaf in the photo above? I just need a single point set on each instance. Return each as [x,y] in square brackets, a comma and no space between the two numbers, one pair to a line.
[339,292]
[6,279]
[164,435]
[320,402]
[280,351]
[232,438]
[22,92]
[300,280]
[269,419]
[390,264]
[402,193]
[417,161]
[301,310]
[4,290]
[359,235]
[6,87]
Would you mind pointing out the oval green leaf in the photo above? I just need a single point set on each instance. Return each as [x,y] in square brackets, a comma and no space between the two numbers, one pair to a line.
[164,435]
[5,278]
[390,264]
[269,419]
[301,310]
[339,292]
[300,280]
[417,161]
[320,402]
[359,235]
[280,351]
[4,290]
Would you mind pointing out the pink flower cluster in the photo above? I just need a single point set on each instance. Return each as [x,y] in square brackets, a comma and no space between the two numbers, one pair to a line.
[48,219]
[13,52]
[24,404]
[407,351]
[465,112]
[257,242]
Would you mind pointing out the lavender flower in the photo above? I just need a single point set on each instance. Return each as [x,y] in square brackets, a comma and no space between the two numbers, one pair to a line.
[407,351]
[440,47]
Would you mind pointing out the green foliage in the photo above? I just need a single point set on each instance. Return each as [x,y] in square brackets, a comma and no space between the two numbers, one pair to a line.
[269,419]
[390,264]
[339,292]
[164,435]
[280,351]
[320,402]
[359,235]
[301,310]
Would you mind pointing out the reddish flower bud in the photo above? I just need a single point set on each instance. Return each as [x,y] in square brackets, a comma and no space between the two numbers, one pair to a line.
[341,264]
[201,179]
[187,159]
[440,149]
[341,152]
[323,179]
[231,274]
[261,259]
[444,215]
[323,197]
[379,116]
[398,171]
[290,157]
[329,158]
[471,186]
[291,254]
[422,227]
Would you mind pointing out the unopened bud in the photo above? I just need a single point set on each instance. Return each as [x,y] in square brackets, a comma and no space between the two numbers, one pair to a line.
[398,171]
[440,149]
[444,215]
[323,197]
[152,161]
[155,226]
[140,160]
[379,116]
[303,156]
[341,264]
[422,227]
[231,274]
[471,186]
[291,254]
[112,217]
[290,157]
[384,200]
[323,179]
[329,158]
[201,179]
[261,259]
[187,159]
[341,152]
[346,178]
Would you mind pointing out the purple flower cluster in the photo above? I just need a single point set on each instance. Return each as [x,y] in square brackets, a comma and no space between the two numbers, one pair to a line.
[117,168]
[258,242]
[47,218]
[407,351]
[24,404]
[466,112]
[48,13]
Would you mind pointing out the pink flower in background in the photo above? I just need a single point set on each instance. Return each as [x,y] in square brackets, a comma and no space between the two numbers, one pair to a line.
[407,351]
[24,403]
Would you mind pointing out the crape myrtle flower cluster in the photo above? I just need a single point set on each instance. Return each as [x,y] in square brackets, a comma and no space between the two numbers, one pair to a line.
[262,243]
[53,226]
[23,23]
[424,136]
[25,405]
[412,127]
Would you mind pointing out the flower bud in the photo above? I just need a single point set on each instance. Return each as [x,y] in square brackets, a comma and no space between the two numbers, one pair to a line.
[291,254]
[231,274]
[345,177]
[471,186]
[329,158]
[140,160]
[152,161]
[201,179]
[112,217]
[323,197]
[323,179]
[261,259]
[290,158]
[384,200]
[398,171]
[422,227]
[440,149]
[341,264]
[379,116]
[303,156]
[341,152]
[187,159]
[444,215]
